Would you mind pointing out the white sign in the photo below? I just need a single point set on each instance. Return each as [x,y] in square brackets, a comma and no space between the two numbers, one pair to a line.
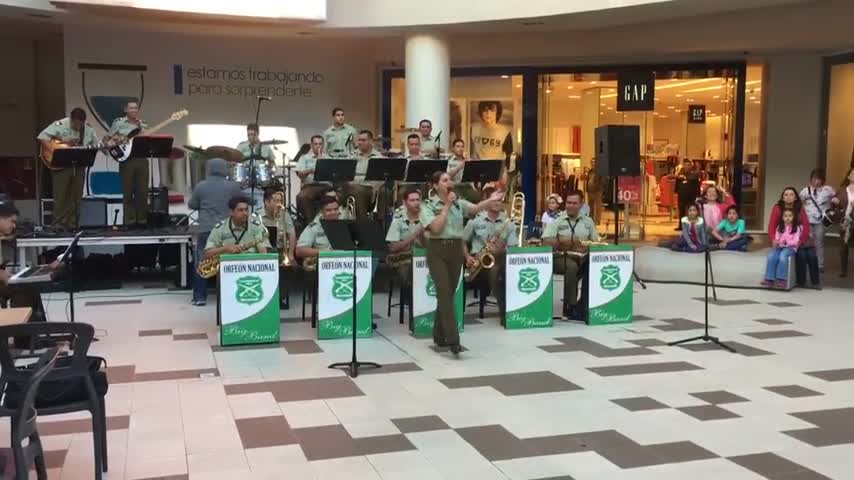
[610,274]
[247,286]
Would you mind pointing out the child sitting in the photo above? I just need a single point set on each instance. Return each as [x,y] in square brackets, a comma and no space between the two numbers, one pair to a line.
[693,238]
[730,231]
[785,246]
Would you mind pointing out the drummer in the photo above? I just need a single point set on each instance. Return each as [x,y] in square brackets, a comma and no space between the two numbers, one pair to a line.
[265,163]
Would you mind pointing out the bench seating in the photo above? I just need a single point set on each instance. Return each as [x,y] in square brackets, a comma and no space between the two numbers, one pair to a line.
[730,269]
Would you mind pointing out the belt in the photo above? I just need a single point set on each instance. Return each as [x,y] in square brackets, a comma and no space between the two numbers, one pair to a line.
[446,240]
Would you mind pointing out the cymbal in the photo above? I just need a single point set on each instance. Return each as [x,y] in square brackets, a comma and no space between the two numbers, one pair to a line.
[176,154]
[226,153]
[274,142]
[200,151]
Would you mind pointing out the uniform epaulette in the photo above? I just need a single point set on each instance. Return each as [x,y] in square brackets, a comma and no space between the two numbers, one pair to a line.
[219,224]
[58,123]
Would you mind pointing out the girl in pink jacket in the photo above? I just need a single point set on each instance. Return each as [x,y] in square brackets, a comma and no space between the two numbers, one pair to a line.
[786,241]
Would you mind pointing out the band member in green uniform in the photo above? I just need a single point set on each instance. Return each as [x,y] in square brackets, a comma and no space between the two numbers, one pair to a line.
[252,146]
[239,233]
[413,146]
[311,191]
[565,234]
[360,189]
[495,229]
[455,170]
[313,239]
[275,215]
[429,147]
[442,217]
[134,171]
[68,182]
[340,137]
[404,233]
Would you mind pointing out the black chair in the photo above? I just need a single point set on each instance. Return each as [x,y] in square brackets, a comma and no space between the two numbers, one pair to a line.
[404,299]
[77,383]
[23,419]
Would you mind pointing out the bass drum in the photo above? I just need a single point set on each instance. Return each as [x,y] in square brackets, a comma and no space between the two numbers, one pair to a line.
[263,175]
[239,173]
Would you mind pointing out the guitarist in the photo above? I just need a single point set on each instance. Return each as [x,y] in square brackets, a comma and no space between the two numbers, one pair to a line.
[134,171]
[68,182]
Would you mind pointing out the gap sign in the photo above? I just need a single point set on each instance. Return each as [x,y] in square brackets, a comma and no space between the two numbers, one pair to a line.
[635,91]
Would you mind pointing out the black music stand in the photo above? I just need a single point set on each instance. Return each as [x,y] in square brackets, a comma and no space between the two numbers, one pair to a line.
[151,147]
[65,258]
[74,157]
[388,171]
[482,171]
[349,235]
[421,171]
[335,170]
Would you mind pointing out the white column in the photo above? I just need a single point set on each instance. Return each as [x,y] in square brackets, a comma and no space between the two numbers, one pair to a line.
[428,78]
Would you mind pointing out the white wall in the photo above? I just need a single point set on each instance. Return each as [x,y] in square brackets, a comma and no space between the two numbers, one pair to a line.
[348,70]
[792,122]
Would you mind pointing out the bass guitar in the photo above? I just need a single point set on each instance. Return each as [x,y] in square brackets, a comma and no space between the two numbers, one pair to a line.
[122,145]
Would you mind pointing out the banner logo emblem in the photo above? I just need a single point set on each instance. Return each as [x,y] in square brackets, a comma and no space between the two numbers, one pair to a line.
[610,279]
[529,280]
[249,290]
[431,287]
[342,286]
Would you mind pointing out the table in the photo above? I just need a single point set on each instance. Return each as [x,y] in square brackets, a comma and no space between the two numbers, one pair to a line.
[14,316]
[27,244]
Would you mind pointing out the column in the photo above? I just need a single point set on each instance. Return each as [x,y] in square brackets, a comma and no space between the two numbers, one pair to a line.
[428,77]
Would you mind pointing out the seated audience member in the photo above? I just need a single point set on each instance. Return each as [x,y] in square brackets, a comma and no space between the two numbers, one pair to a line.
[806,258]
[693,238]
[730,232]
[785,246]
[552,209]
[715,207]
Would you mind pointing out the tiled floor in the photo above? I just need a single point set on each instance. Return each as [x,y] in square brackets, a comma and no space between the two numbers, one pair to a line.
[570,402]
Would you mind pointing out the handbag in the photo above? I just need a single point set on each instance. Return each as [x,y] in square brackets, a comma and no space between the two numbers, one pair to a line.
[829,217]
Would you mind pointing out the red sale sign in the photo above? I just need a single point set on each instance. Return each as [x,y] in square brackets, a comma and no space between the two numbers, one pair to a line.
[629,189]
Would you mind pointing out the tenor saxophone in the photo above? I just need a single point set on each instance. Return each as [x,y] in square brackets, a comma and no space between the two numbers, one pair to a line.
[485,259]
[284,260]
[209,267]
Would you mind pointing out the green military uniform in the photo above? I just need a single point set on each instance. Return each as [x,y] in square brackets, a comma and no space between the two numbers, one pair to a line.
[359,188]
[311,191]
[429,146]
[463,190]
[283,224]
[68,182]
[479,232]
[402,228]
[313,236]
[226,234]
[340,141]
[445,261]
[134,173]
[343,214]
[265,151]
[581,229]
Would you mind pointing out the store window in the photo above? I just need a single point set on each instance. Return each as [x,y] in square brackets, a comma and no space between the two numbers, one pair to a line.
[839,156]
[572,106]
[485,112]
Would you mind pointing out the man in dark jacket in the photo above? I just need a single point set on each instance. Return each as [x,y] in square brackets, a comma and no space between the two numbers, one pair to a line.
[687,188]
[210,198]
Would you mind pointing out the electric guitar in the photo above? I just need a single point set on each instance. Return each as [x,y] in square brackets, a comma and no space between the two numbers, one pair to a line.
[123,144]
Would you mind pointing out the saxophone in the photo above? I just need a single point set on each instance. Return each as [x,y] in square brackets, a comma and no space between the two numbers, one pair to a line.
[209,267]
[485,259]
[400,258]
[280,238]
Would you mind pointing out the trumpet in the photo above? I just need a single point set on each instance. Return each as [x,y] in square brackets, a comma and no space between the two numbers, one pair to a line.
[351,207]
[486,257]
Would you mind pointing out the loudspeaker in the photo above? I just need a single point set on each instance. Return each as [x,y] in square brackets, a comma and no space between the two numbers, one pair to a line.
[618,150]
[93,212]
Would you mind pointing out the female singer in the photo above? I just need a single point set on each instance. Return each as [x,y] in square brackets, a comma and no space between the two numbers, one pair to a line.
[443,216]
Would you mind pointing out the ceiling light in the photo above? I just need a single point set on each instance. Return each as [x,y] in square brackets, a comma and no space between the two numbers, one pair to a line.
[704,89]
[753,98]
[612,90]
[601,104]
[684,84]
[662,116]
[518,85]
[716,96]
[570,87]
[610,108]
[575,97]
[548,91]
[593,82]
[655,113]
[689,99]
[505,76]
[670,107]
[678,110]
[678,95]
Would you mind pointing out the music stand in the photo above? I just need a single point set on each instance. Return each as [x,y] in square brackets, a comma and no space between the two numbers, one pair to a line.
[335,170]
[421,171]
[388,171]
[482,171]
[66,259]
[151,147]
[74,157]
[349,235]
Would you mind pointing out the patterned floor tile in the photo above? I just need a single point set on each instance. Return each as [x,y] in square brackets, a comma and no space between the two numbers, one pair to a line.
[678,325]
[773,334]
[727,303]
[301,347]
[833,427]
[784,304]
[719,397]
[740,348]
[299,390]
[706,413]
[580,344]
[512,384]
[772,321]
[260,432]
[773,466]
[644,368]
[837,375]
[793,391]
[392,368]
[638,404]
[420,424]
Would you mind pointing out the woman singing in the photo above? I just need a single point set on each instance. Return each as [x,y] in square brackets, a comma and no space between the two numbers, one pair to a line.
[443,216]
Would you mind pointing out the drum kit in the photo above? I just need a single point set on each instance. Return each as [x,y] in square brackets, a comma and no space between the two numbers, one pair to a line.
[245,170]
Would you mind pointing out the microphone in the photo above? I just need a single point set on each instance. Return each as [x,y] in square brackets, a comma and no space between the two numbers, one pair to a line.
[261,97]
